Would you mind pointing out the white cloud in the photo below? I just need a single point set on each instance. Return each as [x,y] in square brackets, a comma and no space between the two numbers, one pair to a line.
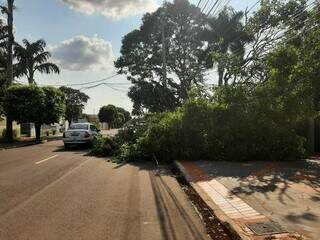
[82,53]
[115,9]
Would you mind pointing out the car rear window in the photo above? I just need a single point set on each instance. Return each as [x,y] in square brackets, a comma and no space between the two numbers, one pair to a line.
[79,126]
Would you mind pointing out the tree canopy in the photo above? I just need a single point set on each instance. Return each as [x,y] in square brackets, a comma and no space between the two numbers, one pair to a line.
[114,116]
[75,103]
[33,58]
[34,104]
[163,57]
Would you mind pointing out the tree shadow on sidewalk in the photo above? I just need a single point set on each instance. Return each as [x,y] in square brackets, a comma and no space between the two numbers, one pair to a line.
[266,177]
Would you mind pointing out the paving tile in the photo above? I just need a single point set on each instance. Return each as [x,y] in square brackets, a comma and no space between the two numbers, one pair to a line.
[229,203]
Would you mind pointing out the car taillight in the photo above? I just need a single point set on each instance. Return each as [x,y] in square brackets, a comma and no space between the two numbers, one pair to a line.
[86,135]
[64,135]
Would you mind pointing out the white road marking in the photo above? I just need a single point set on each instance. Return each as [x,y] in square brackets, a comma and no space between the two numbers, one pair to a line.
[47,159]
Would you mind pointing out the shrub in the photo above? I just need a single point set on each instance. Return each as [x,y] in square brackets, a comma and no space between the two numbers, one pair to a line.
[237,124]
[128,152]
[133,129]
[206,130]
[103,146]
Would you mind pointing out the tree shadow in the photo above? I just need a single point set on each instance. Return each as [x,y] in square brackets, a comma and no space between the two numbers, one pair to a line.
[166,199]
[164,195]
[298,218]
[267,177]
[76,149]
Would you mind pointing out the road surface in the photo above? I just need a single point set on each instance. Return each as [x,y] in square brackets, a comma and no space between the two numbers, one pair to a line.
[47,193]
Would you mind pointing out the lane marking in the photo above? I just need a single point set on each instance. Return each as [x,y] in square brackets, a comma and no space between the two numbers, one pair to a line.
[47,159]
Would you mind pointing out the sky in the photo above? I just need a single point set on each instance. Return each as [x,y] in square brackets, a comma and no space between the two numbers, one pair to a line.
[84,37]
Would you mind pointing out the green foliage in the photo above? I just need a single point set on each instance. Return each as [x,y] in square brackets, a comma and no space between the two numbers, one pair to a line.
[128,152]
[103,146]
[131,130]
[274,88]
[75,102]
[237,125]
[142,52]
[32,58]
[54,105]
[226,33]
[108,114]
[34,104]
[24,103]
[114,116]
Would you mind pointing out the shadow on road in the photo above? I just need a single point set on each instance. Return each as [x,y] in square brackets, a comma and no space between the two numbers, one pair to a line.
[166,199]
[76,149]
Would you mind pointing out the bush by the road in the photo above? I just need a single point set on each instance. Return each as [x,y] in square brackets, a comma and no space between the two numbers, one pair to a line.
[103,146]
[232,127]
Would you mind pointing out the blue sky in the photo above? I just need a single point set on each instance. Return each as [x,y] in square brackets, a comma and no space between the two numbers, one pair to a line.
[95,29]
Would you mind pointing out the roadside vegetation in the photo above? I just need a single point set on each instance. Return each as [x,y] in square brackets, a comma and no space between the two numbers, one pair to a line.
[268,83]
[114,116]
[30,103]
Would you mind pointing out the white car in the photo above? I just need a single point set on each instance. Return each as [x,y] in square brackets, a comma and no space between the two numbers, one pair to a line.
[80,133]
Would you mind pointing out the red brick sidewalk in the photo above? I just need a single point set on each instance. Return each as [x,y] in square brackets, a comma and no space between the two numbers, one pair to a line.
[231,209]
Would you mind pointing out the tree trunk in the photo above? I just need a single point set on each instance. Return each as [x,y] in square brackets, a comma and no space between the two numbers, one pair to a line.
[9,133]
[220,73]
[9,129]
[30,78]
[38,132]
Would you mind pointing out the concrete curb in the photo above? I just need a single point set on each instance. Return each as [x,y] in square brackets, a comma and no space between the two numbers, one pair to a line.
[227,222]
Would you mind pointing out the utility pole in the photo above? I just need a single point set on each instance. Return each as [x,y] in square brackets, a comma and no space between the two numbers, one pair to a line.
[164,48]
[9,128]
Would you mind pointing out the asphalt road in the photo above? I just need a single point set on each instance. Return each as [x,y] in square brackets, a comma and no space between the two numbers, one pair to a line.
[47,193]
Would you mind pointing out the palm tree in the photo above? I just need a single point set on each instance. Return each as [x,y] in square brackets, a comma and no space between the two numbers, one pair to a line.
[32,57]
[226,33]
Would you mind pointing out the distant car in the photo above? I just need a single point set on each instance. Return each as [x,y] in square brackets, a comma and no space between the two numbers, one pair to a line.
[80,133]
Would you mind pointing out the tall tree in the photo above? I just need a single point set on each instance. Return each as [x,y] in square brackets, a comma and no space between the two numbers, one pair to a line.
[75,102]
[32,57]
[162,57]
[273,22]
[34,104]
[226,33]
[125,113]
[108,114]
[8,10]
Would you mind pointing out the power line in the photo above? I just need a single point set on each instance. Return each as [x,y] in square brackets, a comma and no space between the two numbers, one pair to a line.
[100,84]
[205,6]
[216,7]
[295,16]
[213,6]
[253,6]
[221,9]
[80,84]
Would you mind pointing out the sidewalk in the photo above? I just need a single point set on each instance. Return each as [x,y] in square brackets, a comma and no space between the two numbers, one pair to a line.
[258,200]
